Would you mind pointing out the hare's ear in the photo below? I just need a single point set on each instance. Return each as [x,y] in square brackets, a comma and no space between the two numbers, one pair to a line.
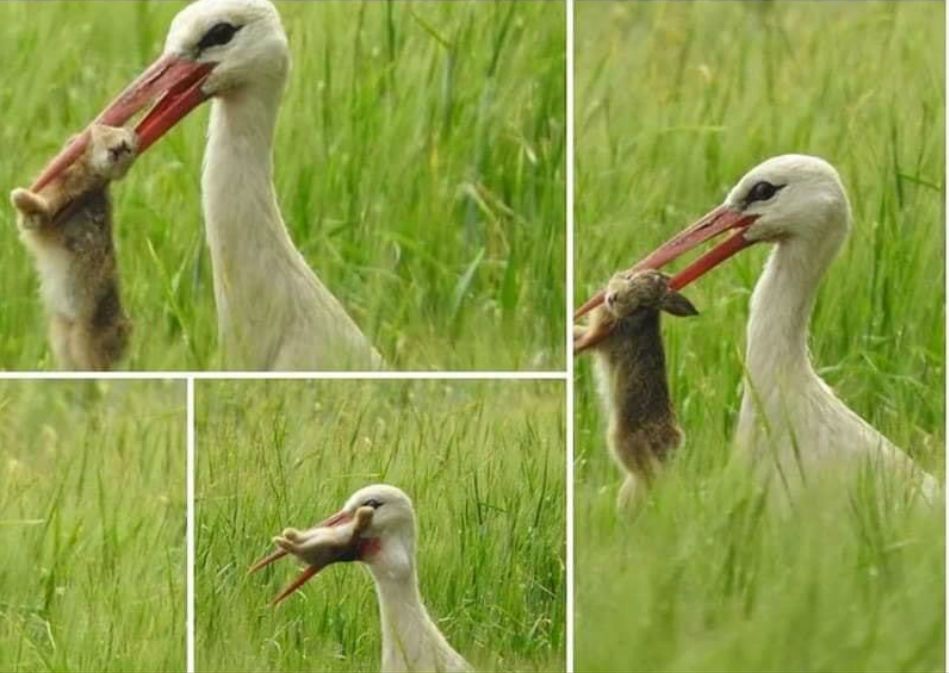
[363,518]
[677,304]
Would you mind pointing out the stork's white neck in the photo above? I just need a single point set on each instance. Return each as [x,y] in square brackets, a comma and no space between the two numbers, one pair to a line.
[410,639]
[273,312]
[239,199]
[788,414]
[403,614]
[780,382]
[248,241]
[254,261]
[781,308]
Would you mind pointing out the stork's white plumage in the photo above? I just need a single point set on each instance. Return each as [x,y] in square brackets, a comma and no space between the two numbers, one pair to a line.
[273,311]
[410,639]
[411,642]
[787,410]
[790,418]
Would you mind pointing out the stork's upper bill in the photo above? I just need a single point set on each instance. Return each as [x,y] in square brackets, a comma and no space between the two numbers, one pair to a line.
[213,47]
[785,197]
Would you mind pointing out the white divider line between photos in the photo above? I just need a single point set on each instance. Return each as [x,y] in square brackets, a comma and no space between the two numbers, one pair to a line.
[569,327]
[269,376]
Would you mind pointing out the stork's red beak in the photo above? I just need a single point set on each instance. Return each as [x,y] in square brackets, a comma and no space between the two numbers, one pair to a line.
[172,85]
[717,222]
[338,519]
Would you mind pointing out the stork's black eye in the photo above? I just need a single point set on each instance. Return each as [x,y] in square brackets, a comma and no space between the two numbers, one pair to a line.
[218,34]
[372,502]
[762,191]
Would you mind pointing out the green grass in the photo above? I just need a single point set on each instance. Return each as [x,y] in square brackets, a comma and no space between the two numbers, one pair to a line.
[92,514]
[484,464]
[420,168]
[675,101]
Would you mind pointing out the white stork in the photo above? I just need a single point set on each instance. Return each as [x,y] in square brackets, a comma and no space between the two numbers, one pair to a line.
[790,418]
[411,643]
[273,311]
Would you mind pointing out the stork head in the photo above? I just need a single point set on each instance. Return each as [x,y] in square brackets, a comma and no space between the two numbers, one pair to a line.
[389,547]
[213,48]
[383,537]
[242,42]
[789,197]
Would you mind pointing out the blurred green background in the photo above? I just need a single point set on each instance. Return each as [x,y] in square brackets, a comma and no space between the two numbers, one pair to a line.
[92,526]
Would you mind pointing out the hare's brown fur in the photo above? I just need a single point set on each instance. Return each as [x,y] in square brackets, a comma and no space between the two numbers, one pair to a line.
[67,226]
[643,429]
[322,546]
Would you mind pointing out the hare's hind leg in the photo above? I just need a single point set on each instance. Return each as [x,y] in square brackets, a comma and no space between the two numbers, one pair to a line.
[60,341]
[631,494]
[86,349]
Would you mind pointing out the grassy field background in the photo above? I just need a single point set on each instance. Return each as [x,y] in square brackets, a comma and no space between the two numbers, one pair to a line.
[419,165]
[92,518]
[675,101]
[484,464]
